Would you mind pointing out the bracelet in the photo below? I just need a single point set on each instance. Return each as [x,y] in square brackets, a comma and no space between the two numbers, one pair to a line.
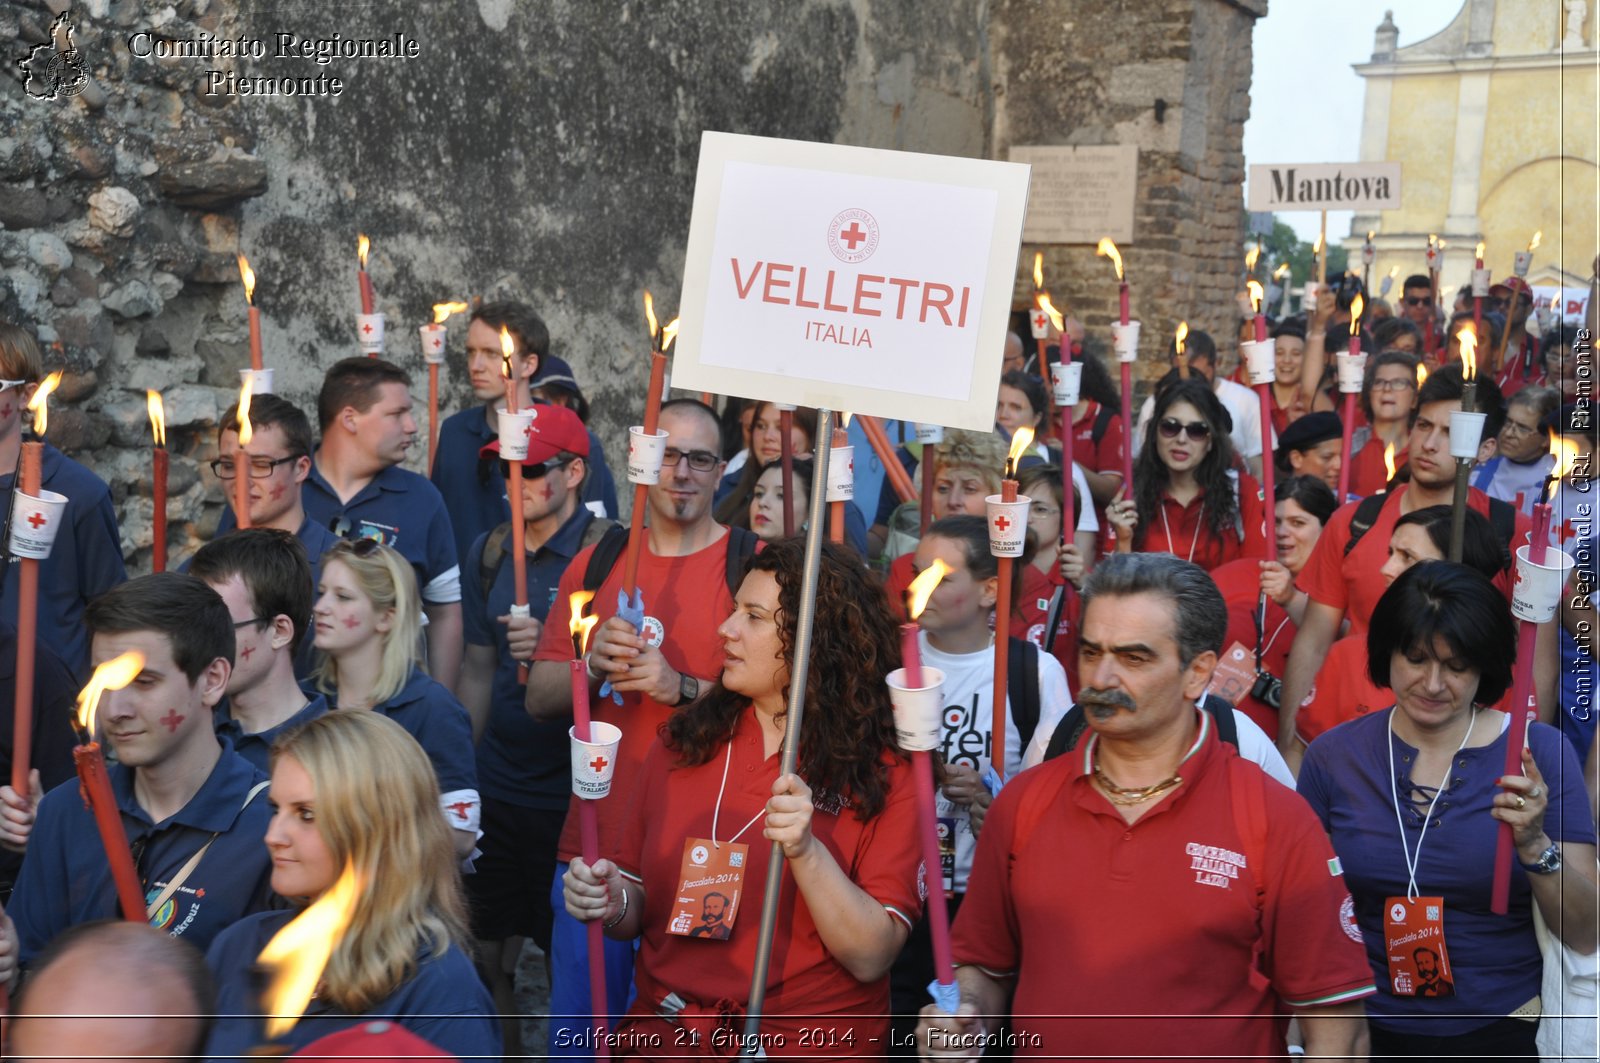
[621,914]
[588,666]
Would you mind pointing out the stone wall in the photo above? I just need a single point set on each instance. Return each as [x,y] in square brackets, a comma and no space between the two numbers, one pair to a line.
[544,150]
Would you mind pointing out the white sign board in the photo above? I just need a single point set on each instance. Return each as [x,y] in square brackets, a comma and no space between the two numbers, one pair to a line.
[856,279]
[1079,194]
[1287,186]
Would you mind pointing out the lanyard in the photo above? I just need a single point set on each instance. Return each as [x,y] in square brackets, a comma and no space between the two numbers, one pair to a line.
[717,812]
[1394,792]
[1199,520]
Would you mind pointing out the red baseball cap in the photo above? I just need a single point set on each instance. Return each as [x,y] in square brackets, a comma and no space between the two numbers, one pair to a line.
[555,429]
[378,1039]
[1503,289]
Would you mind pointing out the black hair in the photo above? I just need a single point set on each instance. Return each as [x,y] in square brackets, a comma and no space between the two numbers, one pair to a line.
[354,382]
[1453,603]
[802,469]
[1481,549]
[1097,383]
[972,535]
[1417,280]
[1447,384]
[1385,332]
[1198,344]
[268,410]
[1200,616]
[1150,474]
[1032,387]
[1310,493]
[189,613]
[273,566]
[525,326]
[1291,326]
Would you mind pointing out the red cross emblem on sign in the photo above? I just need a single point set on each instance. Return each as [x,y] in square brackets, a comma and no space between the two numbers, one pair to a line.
[367,328]
[599,764]
[38,520]
[1002,522]
[853,235]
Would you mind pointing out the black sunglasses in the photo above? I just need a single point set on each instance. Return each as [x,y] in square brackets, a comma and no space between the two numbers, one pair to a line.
[535,472]
[1418,300]
[1169,427]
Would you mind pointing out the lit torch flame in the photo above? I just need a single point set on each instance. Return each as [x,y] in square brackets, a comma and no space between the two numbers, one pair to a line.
[1433,239]
[1251,257]
[669,332]
[1316,245]
[1422,375]
[1256,294]
[1478,253]
[1469,353]
[1109,249]
[1050,310]
[1370,234]
[1388,459]
[650,314]
[579,626]
[363,245]
[1566,454]
[246,432]
[39,404]
[158,416]
[1357,305]
[1038,270]
[112,675]
[1394,271]
[299,952]
[1533,244]
[247,275]
[922,587]
[1020,442]
[508,347]
[442,311]
[1181,335]
[1281,272]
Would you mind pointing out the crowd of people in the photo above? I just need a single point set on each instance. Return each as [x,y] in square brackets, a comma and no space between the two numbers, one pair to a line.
[1243,792]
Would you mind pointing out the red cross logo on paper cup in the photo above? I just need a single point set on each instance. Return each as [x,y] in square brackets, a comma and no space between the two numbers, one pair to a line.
[1261,361]
[1065,382]
[841,474]
[1125,340]
[644,455]
[1351,369]
[515,428]
[853,235]
[1537,590]
[369,328]
[917,710]
[34,523]
[1008,525]
[594,761]
[432,343]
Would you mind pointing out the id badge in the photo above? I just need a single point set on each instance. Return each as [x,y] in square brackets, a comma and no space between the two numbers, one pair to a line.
[947,853]
[710,885]
[1413,939]
[1235,673]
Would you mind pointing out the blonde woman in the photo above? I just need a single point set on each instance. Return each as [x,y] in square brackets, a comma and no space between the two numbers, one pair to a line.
[367,627]
[353,789]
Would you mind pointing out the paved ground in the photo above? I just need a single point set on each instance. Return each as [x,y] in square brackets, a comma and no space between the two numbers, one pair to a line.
[533,998]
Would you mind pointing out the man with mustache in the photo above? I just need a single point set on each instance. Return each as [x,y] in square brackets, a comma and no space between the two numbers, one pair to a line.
[1176,856]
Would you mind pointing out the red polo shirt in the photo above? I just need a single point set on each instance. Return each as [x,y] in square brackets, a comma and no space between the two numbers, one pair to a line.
[1240,584]
[1122,936]
[1106,455]
[806,986]
[1033,594]
[1184,533]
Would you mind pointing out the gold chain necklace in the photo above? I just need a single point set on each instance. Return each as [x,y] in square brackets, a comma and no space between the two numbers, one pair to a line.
[1133,795]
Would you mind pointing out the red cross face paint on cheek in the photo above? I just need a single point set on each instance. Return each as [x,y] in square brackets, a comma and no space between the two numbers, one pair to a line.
[6,410]
[172,720]
[351,622]
[545,491]
[278,490]
[246,652]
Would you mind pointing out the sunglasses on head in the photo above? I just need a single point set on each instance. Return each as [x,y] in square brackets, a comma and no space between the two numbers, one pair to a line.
[1169,427]
[535,472]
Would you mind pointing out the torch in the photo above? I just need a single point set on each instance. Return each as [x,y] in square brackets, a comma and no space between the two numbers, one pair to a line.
[1066,379]
[1351,368]
[580,627]
[1369,254]
[248,276]
[1126,339]
[1261,362]
[241,463]
[786,459]
[158,482]
[1466,432]
[1008,530]
[1480,289]
[1039,320]
[1321,250]
[1283,275]
[896,473]
[1251,257]
[28,593]
[1388,281]
[1180,336]
[369,325]
[919,702]
[841,478]
[1432,254]
[433,337]
[299,952]
[1520,264]
[95,784]
[515,428]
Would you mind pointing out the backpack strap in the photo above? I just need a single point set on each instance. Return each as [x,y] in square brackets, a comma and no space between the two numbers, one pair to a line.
[1503,519]
[1366,515]
[607,549]
[493,556]
[742,543]
[1102,421]
[1221,710]
[1067,733]
[1022,689]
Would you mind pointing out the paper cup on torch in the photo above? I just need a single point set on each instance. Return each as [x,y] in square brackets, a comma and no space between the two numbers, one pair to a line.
[1480,283]
[260,380]
[369,331]
[841,474]
[1351,370]
[930,433]
[1466,432]
[1008,525]
[1261,361]
[1308,297]
[593,762]
[917,710]
[1065,383]
[644,455]
[35,519]
[1520,263]
[1125,338]
[433,343]
[1538,588]
[515,428]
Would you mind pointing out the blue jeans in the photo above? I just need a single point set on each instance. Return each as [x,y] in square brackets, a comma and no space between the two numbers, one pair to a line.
[570,1011]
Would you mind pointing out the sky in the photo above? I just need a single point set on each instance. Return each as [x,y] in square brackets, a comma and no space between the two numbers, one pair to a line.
[1341,34]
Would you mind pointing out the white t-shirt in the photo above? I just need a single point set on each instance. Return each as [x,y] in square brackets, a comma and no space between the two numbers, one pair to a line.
[1242,404]
[966,737]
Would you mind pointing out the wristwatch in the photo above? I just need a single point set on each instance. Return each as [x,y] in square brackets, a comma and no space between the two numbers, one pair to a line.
[688,688]
[1549,862]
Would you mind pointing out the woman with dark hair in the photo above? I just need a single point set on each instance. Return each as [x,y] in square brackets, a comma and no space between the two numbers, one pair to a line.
[1388,393]
[1566,361]
[1257,650]
[1413,798]
[1022,402]
[847,822]
[1397,334]
[1293,394]
[1052,567]
[1189,500]
[764,516]
[766,446]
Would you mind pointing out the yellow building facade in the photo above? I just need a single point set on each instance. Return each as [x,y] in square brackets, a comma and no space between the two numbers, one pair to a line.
[1493,120]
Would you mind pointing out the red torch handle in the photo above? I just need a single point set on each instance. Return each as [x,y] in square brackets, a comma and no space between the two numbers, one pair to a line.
[255,338]
[786,457]
[433,414]
[1127,430]
[1002,629]
[652,414]
[365,284]
[938,912]
[1344,446]
[896,473]
[841,438]
[158,516]
[589,839]
[96,789]
[27,634]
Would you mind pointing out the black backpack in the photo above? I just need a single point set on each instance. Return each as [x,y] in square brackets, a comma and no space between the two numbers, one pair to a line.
[742,544]
[494,548]
[1022,688]
[1102,421]
[1073,724]
[1502,517]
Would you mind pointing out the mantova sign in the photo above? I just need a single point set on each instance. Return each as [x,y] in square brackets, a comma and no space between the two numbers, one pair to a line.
[1286,186]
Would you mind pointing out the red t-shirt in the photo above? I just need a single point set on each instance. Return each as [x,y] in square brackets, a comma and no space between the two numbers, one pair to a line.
[1185,534]
[1368,476]
[1106,455]
[1522,367]
[1352,583]
[1121,935]
[687,597]
[806,987]
[1033,613]
[1240,584]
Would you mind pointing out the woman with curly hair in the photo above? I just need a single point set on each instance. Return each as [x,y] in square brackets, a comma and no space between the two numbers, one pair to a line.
[692,861]
[353,789]
[1189,499]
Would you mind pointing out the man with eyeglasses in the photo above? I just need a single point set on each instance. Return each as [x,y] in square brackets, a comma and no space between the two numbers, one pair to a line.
[676,656]
[86,559]
[524,767]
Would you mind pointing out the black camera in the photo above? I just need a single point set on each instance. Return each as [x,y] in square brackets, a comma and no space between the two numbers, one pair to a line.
[1268,688]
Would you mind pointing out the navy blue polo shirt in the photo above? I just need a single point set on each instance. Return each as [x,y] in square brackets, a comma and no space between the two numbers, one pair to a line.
[399,509]
[84,563]
[521,760]
[474,491]
[444,1002]
[54,691]
[66,880]
[256,747]
[439,723]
